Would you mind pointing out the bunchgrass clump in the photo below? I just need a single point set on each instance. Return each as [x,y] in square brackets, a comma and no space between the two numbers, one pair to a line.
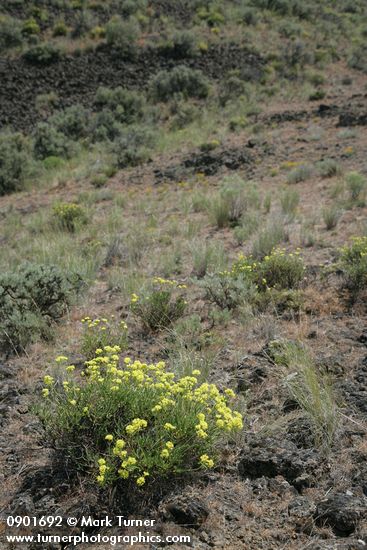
[159,304]
[229,204]
[130,424]
[311,388]
[331,216]
[299,174]
[356,185]
[98,333]
[289,201]
[268,238]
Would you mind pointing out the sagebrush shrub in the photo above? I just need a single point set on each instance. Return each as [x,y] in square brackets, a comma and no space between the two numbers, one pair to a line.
[98,333]
[129,424]
[10,33]
[122,35]
[180,80]
[73,121]
[50,142]
[132,146]
[300,173]
[180,44]
[43,54]
[128,106]
[160,304]
[14,162]
[228,292]
[31,298]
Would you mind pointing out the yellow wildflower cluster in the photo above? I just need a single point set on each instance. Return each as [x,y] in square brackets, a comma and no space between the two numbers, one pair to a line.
[100,332]
[356,251]
[169,282]
[206,462]
[165,453]
[167,424]
[279,269]
[136,425]
[69,215]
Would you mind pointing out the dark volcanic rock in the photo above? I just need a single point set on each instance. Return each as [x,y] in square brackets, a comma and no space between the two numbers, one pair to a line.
[75,79]
[208,163]
[348,544]
[341,512]
[186,510]
[271,458]
[301,510]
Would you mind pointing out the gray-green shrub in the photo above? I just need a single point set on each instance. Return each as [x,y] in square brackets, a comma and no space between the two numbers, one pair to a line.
[14,162]
[179,80]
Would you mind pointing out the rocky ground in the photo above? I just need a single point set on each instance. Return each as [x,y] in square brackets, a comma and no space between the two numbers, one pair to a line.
[274,489]
[279,491]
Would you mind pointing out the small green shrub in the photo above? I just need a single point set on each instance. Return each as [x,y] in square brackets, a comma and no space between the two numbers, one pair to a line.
[131,424]
[98,333]
[30,27]
[69,216]
[279,270]
[180,80]
[299,174]
[53,163]
[60,29]
[317,95]
[48,141]
[31,298]
[122,35]
[353,265]
[14,162]
[160,304]
[43,54]
[99,180]
[10,33]
[212,15]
